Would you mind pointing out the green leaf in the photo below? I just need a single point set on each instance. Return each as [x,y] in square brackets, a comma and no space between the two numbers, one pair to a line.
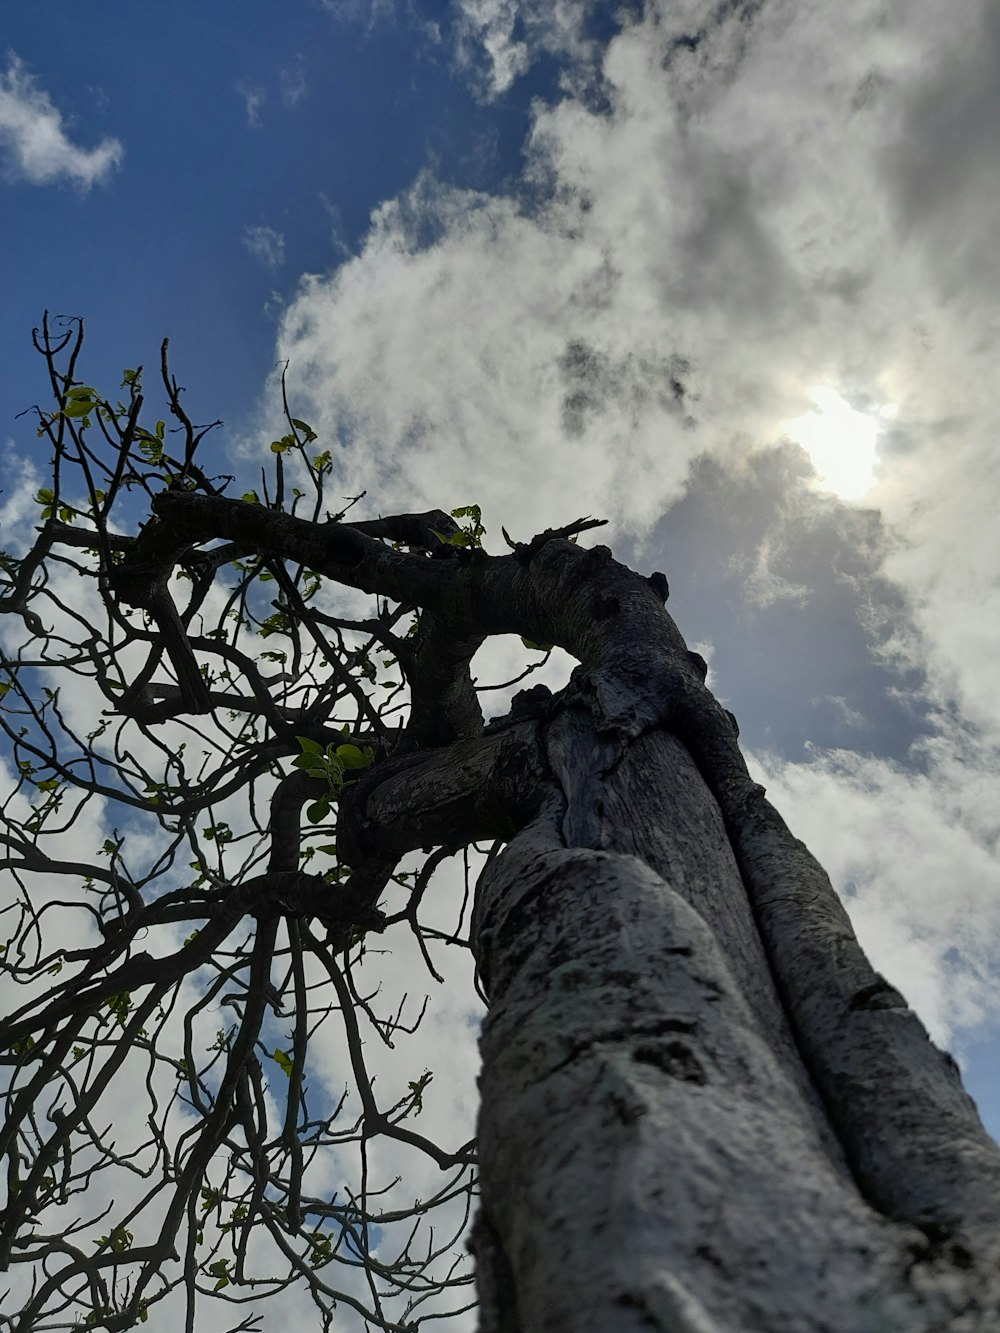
[50,784]
[283,1060]
[417,1088]
[119,1240]
[310,763]
[352,756]
[274,624]
[472,534]
[119,1005]
[218,1270]
[318,811]
[79,401]
[151,446]
[309,746]
[305,428]
[536,647]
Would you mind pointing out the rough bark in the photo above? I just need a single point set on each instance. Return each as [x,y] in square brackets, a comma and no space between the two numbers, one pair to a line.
[653,1147]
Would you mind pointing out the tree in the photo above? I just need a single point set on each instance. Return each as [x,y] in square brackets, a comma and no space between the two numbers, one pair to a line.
[701,1107]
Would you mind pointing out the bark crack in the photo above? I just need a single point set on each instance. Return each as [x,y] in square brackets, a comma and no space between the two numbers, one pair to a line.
[646,1052]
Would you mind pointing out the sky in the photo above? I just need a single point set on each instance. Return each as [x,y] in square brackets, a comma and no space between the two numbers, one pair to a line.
[722,273]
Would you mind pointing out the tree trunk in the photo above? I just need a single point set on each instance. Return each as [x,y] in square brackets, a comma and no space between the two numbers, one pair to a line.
[655,1150]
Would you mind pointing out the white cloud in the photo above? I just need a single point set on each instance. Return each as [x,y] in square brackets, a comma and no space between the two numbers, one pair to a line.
[490,24]
[19,510]
[292,87]
[34,145]
[265,244]
[292,79]
[480,368]
[763,583]
[496,41]
[738,213]
[914,853]
[768,201]
[253,100]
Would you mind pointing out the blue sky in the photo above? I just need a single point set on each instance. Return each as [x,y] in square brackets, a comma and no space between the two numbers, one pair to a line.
[557,263]
[287,119]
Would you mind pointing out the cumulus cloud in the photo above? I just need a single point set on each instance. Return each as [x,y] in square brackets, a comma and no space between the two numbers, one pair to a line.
[913,853]
[944,165]
[763,583]
[488,26]
[764,200]
[729,211]
[497,41]
[265,244]
[34,145]
[466,366]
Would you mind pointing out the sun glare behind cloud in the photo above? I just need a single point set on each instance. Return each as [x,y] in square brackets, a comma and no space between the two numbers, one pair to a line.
[840,442]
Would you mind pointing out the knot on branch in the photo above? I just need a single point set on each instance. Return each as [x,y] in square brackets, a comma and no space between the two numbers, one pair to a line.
[658,582]
[298,894]
[427,531]
[533,702]
[603,608]
[699,664]
[878,994]
[525,552]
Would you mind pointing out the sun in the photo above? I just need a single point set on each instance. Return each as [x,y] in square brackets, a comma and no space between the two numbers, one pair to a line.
[840,441]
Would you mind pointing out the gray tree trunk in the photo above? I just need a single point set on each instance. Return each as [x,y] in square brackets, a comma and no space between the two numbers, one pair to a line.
[657,1146]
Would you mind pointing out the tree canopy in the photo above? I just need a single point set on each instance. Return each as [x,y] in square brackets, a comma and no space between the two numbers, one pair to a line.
[185,719]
